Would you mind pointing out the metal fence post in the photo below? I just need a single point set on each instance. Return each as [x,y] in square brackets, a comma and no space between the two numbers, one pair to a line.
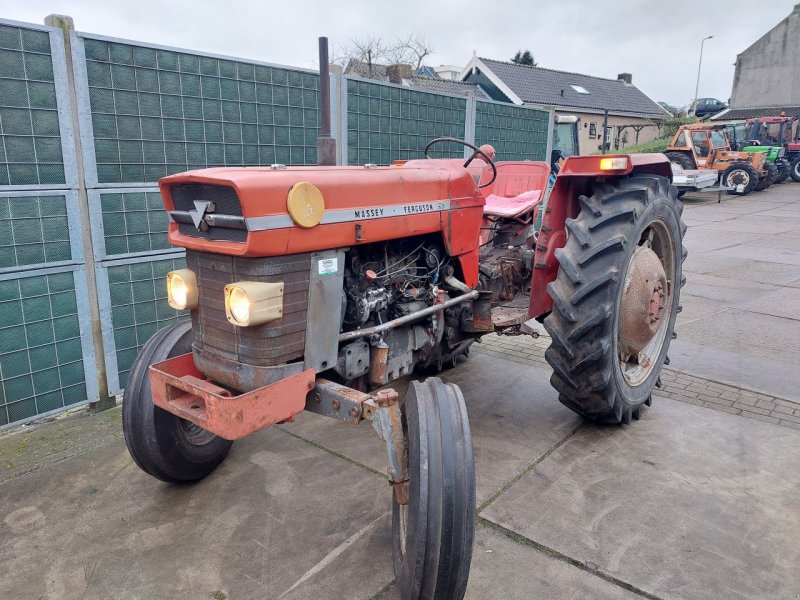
[103,400]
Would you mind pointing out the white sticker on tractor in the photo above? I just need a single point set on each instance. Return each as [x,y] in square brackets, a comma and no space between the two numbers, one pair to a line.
[328,266]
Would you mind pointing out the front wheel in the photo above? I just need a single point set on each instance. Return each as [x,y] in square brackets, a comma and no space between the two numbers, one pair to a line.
[740,178]
[163,445]
[616,297]
[769,179]
[432,534]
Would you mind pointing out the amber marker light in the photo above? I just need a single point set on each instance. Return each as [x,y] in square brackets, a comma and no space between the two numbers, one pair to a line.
[619,163]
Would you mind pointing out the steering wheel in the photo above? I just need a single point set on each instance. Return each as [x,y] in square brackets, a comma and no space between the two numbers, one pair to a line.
[477,152]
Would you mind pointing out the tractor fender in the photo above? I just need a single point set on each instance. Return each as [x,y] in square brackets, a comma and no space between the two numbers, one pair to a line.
[575,179]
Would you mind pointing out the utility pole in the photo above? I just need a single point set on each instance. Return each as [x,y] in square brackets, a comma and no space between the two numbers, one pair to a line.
[700,64]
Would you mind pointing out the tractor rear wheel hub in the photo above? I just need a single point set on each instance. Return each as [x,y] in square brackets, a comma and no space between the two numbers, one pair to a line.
[643,301]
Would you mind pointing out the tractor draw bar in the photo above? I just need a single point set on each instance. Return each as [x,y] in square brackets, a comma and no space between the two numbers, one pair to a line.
[415,316]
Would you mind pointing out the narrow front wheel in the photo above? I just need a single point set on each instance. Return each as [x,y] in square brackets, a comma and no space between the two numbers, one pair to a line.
[164,445]
[432,533]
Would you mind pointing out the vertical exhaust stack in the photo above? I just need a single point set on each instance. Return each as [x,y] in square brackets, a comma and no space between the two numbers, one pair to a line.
[326,145]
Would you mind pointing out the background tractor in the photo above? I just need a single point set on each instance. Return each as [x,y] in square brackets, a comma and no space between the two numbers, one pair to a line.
[312,288]
[707,147]
[778,137]
[773,135]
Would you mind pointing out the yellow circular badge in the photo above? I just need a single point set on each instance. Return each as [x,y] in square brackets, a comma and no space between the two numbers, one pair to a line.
[305,204]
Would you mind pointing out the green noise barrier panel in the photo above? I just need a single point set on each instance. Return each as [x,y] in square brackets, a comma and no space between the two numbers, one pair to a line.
[139,308]
[517,133]
[30,137]
[387,122]
[41,357]
[156,111]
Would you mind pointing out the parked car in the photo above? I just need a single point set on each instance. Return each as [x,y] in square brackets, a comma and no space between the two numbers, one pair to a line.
[705,107]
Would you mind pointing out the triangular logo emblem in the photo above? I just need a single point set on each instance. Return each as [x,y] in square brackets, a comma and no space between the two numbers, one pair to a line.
[199,212]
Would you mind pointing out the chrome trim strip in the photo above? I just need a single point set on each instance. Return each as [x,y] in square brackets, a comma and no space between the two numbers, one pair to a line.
[345,215]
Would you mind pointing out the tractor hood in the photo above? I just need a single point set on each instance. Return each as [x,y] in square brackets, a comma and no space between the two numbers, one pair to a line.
[268,211]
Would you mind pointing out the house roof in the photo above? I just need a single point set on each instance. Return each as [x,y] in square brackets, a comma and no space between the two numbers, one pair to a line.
[447,86]
[363,69]
[751,112]
[535,85]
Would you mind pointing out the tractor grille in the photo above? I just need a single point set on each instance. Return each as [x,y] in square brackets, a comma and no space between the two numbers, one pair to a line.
[224,223]
[273,343]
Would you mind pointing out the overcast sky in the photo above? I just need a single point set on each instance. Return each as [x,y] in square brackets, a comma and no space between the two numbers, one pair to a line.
[657,41]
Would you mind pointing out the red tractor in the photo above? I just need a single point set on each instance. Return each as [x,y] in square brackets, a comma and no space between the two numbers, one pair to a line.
[312,288]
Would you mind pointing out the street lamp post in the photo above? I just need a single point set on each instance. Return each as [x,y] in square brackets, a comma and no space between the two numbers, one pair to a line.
[699,64]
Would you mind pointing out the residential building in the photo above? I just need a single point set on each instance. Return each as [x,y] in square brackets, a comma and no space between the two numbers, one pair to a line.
[766,82]
[633,117]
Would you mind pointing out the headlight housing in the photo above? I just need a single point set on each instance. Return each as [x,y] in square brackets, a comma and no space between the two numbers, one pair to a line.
[253,302]
[182,289]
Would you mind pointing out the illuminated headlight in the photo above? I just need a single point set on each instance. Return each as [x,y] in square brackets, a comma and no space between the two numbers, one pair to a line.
[253,302]
[613,164]
[182,289]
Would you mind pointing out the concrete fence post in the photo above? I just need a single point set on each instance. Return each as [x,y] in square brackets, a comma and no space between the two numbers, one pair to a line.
[103,401]
[469,123]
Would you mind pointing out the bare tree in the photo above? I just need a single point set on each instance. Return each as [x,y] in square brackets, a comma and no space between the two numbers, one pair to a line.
[371,50]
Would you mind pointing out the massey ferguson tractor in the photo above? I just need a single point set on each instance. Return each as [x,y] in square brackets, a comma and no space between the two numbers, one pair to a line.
[314,288]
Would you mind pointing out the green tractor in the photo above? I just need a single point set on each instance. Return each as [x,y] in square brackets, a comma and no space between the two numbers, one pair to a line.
[772,135]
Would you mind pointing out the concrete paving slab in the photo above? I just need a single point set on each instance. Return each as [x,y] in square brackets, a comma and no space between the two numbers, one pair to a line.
[514,417]
[789,240]
[750,224]
[95,526]
[767,273]
[745,252]
[697,307]
[781,303]
[743,348]
[689,503]
[725,289]
[502,568]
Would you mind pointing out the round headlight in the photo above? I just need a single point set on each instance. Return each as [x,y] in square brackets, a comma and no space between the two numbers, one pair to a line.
[181,289]
[239,305]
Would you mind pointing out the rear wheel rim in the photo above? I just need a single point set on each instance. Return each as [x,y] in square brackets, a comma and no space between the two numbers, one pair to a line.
[638,364]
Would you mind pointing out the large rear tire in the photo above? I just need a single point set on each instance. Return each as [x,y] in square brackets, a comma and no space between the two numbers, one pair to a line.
[794,169]
[165,446]
[432,535]
[622,226]
[740,174]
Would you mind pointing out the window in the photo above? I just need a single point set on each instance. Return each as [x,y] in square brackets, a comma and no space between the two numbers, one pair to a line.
[700,141]
[592,130]
[718,139]
[579,88]
[681,141]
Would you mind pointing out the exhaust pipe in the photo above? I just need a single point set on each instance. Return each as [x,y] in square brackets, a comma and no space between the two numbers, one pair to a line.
[326,145]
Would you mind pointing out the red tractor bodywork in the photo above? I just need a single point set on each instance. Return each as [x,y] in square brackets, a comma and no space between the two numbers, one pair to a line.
[365,205]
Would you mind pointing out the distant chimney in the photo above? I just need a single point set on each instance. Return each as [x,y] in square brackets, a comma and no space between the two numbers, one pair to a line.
[626,77]
[396,73]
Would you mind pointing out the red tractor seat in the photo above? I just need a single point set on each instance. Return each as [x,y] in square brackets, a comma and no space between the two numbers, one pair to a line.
[498,206]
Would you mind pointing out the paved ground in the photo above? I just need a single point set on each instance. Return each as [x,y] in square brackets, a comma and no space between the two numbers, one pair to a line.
[688,502]
[741,320]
